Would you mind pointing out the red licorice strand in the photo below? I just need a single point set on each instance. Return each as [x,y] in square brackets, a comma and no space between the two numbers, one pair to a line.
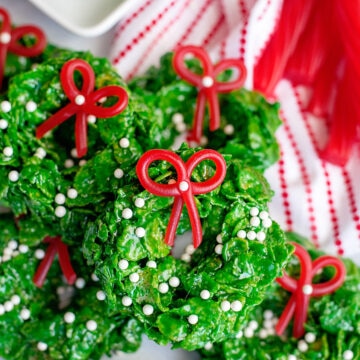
[313,46]
[207,84]
[83,102]
[271,65]
[183,190]
[298,303]
[348,26]
[55,246]
[13,44]
[344,120]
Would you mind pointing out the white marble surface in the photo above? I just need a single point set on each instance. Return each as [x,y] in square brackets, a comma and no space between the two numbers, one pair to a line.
[22,12]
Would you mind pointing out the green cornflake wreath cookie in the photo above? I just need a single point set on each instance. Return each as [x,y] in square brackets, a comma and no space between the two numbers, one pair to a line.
[55,321]
[43,177]
[206,296]
[332,326]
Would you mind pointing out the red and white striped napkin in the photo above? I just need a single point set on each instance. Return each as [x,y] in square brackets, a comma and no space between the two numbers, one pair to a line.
[312,197]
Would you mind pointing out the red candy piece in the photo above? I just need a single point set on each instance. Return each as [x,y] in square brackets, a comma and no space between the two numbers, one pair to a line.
[83,102]
[10,40]
[183,189]
[302,289]
[207,84]
[55,246]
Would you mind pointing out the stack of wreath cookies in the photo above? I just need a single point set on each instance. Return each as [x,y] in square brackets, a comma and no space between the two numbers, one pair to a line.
[96,199]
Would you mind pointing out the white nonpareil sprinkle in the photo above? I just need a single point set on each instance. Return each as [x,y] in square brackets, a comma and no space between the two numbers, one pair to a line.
[91,119]
[72,193]
[74,153]
[186,257]
[13,244]
[100,295]
[5,106]
[236,306]
[219,238]
[163,288]
[268,314]
[69,163]
[40,153]
[292,357]
[42,346]
[134,277]
[263,215]
[348,355]
[263,334]
[253,324]
[127,213]
[91,325]
[229,129]
[60,198]
[25,314]
[8,251]
[302,346]
[205,294]
[248,333]
[3,124]
[218,249]
[123,264]
[140,232]
[208,346]
[69,317]
[254,211]
[2,309]
[174,281]
[31,106]
[148,309]
[266,223]
[94,277]
[39,254]
[183,186]
[80,283]
[14,175]
[193,319]
[307,289]
[207,81]
[260,236]
[139,202]
[23,248]
[241,234]
[80,99]
[124,143]
[310,337]
[60,211]
[180,127]
[8,151]
[204,140]
[190,249]
[239,335]
[15,299]
[151,264]
[255,221]
[177,118]
[126,301]
[225,305]
[82,162]
[251,235]
[8,306]
[118,173]
[5,37]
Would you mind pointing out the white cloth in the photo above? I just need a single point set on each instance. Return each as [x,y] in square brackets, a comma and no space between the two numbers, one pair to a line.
[314,198]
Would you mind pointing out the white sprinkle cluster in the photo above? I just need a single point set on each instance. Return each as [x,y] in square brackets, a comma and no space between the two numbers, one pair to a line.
[178,121]
[9,305]
[11,250]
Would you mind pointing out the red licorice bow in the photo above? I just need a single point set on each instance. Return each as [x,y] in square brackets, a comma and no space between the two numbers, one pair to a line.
[207,85]
[183,189]
[303,288]
[55,246]
[83,102]
[10,40]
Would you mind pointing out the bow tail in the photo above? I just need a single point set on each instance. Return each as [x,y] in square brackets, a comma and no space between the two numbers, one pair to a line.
[286,316]
[196,131]
[45,264]
[65,263]
[173,221]
[214,110]
[194,219]
[3,52]
[81,134]
[300,316]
